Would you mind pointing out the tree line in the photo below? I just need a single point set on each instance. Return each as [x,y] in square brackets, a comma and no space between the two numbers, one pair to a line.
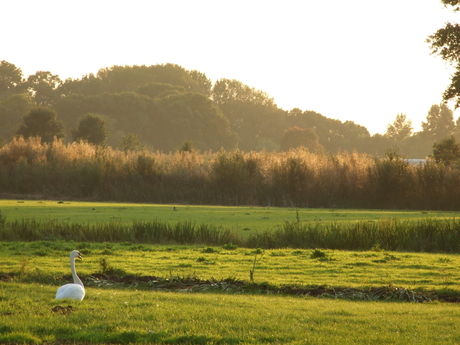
[166,107]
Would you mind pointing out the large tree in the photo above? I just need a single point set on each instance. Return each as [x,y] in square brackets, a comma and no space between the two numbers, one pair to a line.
[10,78]
[252,113]
[446,43]
[91,128]
[446,151]
[43,87]
[400,129]
[439,122]
[41,122]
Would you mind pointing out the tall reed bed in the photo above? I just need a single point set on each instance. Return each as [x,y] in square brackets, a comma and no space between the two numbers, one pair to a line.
[423,236]
[396,235]
[138,232]
[296,178]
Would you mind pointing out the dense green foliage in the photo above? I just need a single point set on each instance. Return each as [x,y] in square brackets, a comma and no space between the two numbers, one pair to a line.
[167,105]
[91,128]
[446,151]
[41,122]
[445,43]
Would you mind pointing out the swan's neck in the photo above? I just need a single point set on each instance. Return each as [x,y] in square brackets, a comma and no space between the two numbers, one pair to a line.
[76,280]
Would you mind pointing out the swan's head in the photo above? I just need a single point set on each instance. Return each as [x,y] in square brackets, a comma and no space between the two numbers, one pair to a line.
[75,254]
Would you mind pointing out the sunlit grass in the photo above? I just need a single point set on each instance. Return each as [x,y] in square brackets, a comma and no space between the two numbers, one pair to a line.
[29,314]
[48,261]
[32,272]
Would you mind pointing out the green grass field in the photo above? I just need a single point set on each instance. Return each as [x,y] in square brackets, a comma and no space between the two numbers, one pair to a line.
[29,315]
[48,261]
[243,220]
[118,313]
[123,313]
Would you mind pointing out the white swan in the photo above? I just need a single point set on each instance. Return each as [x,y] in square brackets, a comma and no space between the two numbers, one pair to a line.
[75,290]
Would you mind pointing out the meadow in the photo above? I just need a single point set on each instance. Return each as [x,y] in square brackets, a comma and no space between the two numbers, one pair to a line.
[192,293]
[26,261]
[117,316]
[243,220]
[203,295]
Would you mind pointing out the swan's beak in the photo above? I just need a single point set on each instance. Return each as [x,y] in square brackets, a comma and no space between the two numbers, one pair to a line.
[79,256]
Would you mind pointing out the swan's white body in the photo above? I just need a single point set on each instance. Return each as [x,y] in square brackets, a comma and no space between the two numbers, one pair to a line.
[75,290]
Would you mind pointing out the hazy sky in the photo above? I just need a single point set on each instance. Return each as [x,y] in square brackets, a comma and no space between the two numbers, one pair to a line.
[359,60]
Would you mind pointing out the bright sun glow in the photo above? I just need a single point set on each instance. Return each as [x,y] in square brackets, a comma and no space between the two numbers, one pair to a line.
[359,60]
